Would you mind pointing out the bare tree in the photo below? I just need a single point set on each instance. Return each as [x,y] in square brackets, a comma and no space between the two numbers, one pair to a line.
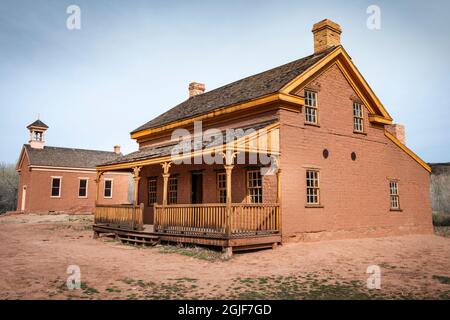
[9,180]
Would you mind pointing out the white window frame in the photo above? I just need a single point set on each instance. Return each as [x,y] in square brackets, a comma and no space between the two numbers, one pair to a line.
[359,117]
[313,107]
[79,187]
[316,187]
[59,189]
[104,188]
[394,195]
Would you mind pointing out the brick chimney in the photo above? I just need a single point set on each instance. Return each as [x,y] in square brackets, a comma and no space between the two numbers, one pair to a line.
[196,88]
[398,131]
[327,34]
[117,149]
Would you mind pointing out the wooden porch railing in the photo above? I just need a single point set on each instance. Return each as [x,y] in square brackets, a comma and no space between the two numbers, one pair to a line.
[120,216]
[211,220]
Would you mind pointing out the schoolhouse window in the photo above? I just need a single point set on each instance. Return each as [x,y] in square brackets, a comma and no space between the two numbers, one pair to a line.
[254,186]
[358,117]
[312,187]
[173,191]
[108,188]
[152,191]
[394,195]
[310,107]
[56,187]
[82,189]
[222,187]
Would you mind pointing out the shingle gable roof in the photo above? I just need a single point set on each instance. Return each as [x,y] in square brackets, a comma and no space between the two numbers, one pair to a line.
[249,88]
[68,158]
[150,152]
[38,123]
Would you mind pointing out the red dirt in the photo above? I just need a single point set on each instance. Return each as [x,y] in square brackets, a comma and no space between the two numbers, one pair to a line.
[36,251]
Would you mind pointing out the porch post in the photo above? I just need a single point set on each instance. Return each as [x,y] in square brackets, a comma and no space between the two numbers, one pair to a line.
[279,186]
[136,178]
[98,181]
[166,175]
[228,171]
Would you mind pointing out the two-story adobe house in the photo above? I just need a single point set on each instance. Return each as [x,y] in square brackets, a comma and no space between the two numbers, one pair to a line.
[54,179]
[338,166]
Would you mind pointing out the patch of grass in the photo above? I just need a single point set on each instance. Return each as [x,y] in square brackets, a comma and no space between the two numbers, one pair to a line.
[442,279]
[386,265]
[192,251]
[88,290]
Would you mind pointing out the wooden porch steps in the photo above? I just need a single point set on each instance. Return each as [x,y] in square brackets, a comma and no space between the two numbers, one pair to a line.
[127,236]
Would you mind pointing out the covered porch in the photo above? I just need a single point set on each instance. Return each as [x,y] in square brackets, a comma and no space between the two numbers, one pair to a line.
[232,204]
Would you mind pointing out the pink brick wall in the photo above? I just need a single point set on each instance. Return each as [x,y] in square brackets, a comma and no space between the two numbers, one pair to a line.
[38,196]
[354,194]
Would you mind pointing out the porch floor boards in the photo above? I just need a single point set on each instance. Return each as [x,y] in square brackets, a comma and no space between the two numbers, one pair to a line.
[147,236]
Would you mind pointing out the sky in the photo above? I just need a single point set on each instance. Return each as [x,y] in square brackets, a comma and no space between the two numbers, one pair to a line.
[132,60]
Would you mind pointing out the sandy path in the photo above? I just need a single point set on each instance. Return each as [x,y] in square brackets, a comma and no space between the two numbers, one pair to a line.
[36,251]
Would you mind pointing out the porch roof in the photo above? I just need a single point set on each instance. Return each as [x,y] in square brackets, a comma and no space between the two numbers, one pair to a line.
[161,153]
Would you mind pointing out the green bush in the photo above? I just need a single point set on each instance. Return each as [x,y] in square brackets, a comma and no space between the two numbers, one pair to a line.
[441,219]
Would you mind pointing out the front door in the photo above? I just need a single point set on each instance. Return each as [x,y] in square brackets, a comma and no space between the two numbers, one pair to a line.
[197,188]
[24,197]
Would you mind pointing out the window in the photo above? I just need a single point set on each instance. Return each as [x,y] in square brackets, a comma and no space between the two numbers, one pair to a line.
[152,191]
[222,187]
[108,188]
[310,107]
[312,187]
[358,119]
[393,191]
[254,186]
[173,191]
[82,189]
[37,136]
[56,187]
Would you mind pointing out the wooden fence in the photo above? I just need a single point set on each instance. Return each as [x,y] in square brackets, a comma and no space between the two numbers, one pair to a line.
[212,220]
[120,216]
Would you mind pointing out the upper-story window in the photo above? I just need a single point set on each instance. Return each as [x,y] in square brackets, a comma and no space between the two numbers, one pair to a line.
[173,191]
[152,191]
[222,187]
[358,117]
[310,107]
[56,187]
[394,195]
[82,188]
[107,193]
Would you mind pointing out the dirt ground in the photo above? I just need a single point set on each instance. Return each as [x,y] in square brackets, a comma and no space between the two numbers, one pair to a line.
[36,251]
